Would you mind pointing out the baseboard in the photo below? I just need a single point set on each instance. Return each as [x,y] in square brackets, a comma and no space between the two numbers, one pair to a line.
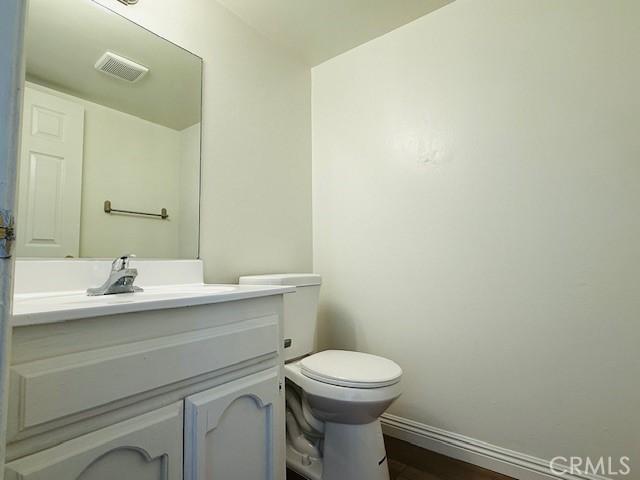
[507,462]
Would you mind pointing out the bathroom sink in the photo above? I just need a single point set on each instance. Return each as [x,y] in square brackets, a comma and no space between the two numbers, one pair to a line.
[149,294]
[37,308]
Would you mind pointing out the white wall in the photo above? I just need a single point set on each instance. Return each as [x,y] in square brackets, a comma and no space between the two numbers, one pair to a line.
[256,172]
[475,179]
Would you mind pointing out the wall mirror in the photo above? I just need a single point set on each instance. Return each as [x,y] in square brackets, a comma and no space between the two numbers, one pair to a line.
[110,159]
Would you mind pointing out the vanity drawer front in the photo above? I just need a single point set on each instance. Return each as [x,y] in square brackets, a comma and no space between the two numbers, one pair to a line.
[45,390]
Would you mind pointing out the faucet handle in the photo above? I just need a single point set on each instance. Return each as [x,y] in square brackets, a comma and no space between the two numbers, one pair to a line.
[121,262]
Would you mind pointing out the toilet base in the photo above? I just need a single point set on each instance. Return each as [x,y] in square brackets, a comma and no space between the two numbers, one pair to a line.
[355,452]
[309,468]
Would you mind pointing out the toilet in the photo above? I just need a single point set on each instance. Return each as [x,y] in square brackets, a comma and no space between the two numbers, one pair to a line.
[334,398]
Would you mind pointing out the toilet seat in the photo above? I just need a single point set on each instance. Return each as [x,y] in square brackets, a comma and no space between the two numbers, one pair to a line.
[351,369]
[310,386]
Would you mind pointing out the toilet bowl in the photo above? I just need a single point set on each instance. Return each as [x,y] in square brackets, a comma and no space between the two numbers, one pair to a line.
[331,400]
[334,398]
[350,404]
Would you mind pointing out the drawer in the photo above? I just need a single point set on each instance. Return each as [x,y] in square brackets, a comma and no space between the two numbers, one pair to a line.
[49,389]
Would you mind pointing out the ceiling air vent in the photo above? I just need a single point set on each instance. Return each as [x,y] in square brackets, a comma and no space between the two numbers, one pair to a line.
[120,67]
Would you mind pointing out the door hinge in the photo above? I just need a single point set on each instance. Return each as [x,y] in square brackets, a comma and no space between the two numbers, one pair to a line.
[7,234]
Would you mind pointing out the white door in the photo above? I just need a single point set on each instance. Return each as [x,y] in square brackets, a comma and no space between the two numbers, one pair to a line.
[50,177]
[147,447]
[232,431]
[12,23]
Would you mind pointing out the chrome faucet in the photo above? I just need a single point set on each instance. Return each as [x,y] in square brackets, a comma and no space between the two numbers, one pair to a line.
[120,279]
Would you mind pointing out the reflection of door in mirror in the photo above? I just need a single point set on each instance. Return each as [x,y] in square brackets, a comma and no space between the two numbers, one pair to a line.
[50,178]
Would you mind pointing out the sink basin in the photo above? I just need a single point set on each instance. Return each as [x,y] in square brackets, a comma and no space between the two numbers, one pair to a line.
[37,308]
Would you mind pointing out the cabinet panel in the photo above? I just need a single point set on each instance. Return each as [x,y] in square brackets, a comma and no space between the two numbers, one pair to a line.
[148,447]
[38,389]
[232,431]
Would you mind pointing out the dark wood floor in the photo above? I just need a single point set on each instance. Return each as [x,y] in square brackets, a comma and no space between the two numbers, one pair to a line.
[408,462]
[293,475]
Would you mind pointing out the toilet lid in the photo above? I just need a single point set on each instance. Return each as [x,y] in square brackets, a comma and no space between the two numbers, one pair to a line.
[351,369]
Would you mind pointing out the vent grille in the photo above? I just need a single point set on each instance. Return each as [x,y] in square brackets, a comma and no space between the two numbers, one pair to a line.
[120,67]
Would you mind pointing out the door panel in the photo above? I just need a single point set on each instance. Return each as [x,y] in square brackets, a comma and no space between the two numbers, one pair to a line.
[50,179]
[126,460]
[45,192]
[147,447]
[231,431]
[46,123]
[238,445]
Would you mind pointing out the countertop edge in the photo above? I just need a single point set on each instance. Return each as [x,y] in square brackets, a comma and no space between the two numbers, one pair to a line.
[58,316]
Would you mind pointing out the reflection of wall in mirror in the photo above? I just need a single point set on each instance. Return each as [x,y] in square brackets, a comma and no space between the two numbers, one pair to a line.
[188,218]
[138,165]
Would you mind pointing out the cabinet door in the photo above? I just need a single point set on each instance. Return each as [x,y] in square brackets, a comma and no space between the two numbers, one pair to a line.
[232,432]
[148,447]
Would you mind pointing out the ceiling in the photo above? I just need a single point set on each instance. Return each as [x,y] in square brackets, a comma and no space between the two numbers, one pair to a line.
[318,30]
[62,49]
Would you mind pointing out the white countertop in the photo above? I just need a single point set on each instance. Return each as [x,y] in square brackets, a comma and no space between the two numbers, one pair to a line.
[50,307]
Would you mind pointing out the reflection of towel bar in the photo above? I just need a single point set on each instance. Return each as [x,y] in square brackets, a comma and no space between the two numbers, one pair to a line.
[107,209]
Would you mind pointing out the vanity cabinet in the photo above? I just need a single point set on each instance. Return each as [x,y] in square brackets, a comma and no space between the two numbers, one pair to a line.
[231,430]
[193,392]
[147,447]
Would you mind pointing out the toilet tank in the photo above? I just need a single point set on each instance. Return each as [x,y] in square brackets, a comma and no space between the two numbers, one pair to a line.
[300,309]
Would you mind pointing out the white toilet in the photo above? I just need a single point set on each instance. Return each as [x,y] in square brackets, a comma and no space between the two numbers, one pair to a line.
[334,398]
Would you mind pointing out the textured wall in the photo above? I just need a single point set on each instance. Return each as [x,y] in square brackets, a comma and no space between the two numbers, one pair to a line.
[475,178]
